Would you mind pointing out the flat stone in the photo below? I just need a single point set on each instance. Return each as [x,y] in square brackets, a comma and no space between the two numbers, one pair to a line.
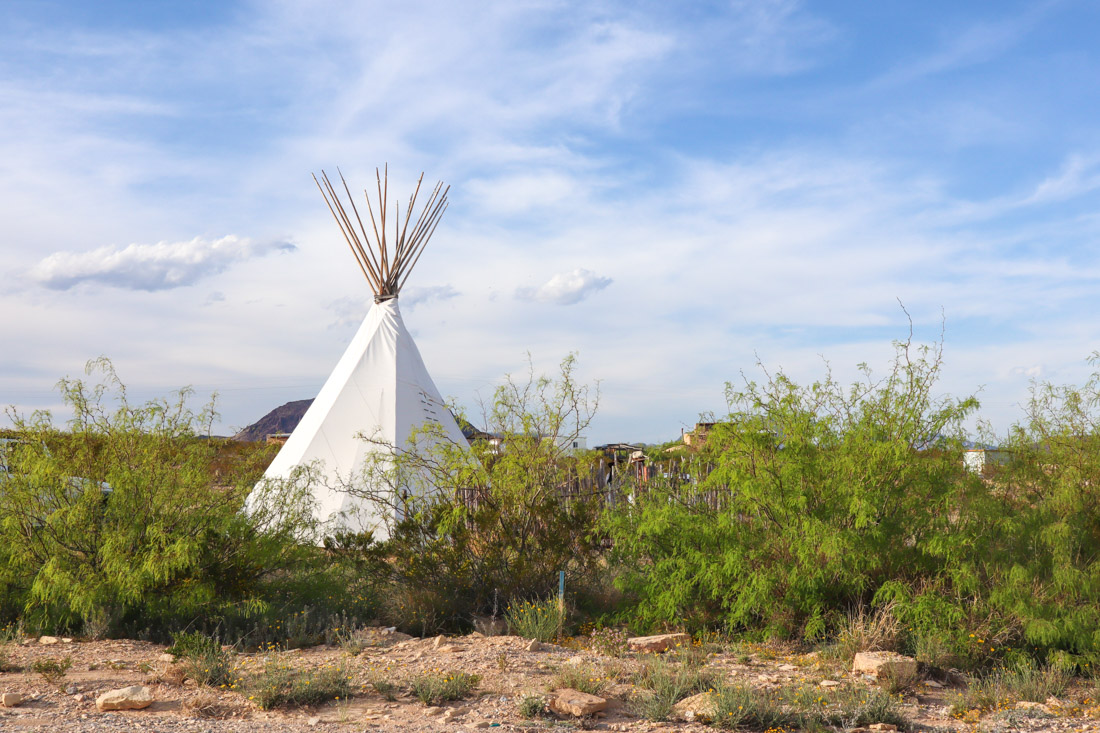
[66,640]
[882,726]
[932,683]
[47,640]
[135,697]
[10,699]
[830,683]
[433,710]
[881,665]
[657,643]
[788,668]
[701,707]
[576,703]
[313,722]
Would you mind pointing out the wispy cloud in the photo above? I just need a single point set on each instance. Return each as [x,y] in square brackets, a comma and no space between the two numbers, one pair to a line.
[567,288]
[150,267]
[413,296]
[978,43]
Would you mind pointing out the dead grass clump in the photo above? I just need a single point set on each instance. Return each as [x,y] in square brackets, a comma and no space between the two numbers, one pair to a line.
[205,704]
[868,631]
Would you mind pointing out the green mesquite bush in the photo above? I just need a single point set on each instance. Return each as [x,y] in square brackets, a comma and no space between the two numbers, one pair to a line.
[132,516]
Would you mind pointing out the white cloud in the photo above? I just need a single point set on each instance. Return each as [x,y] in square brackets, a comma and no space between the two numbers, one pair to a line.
[566,288]
[150,267]
[413,296]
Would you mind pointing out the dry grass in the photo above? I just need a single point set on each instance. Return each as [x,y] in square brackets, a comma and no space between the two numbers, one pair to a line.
[205,704]
[868,631]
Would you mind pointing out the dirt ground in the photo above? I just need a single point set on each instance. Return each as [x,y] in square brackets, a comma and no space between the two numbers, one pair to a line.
[508,672]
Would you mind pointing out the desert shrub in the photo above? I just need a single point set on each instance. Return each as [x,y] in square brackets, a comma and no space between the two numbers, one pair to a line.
[434,687]
[382,683]
[281,685]
[130,520]
[741,707]
[661,685]
[807,501]
[51,669]
[541,620]
[1003,686]
[581,677]
[204,660]
[532,706]
[8,633]
[1047,579]
[804,502]
[849,706]
[804,708]
[867,630]
[608,641]
[495,521]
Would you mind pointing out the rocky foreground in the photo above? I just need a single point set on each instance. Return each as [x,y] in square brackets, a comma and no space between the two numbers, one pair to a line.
[74,685]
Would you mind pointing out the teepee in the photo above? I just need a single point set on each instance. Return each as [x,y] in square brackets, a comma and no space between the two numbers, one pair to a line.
[380,388]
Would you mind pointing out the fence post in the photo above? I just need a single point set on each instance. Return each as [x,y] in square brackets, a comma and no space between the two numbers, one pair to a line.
[561,601]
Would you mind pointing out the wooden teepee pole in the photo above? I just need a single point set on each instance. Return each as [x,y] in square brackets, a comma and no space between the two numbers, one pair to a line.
[385,264]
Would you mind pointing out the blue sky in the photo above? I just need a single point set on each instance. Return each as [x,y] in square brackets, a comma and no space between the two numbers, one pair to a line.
[671,190]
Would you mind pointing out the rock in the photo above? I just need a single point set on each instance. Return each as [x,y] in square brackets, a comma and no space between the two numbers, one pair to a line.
[576,703]
[135,697]
[10,699]
[701,707]
[882,726]
[534,646]
[900,670]
[433,710]
[46,640]
[830,683]
[313,722]
[933,684]
[658,643]
[166,657]
[71,690]
[787,668]
[66,640]
[452,713]
[439,641]
[1033,706]
[481,724]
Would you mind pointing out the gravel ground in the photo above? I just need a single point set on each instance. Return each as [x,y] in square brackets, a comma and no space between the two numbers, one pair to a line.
[509,671]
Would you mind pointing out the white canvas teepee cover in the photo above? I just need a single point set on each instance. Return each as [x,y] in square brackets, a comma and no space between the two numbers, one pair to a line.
[380,389]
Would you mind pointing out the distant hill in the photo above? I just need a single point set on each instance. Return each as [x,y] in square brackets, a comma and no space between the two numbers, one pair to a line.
[282,419]
[285,418]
